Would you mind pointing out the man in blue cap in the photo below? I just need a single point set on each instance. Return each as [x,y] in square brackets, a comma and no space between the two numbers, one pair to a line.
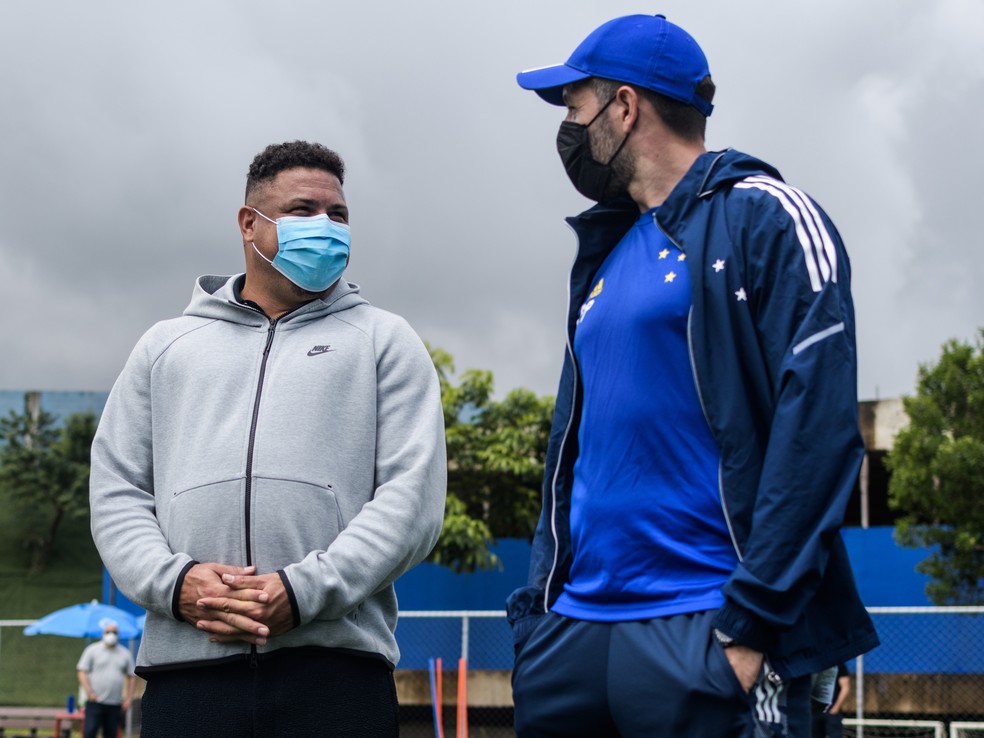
[687,575]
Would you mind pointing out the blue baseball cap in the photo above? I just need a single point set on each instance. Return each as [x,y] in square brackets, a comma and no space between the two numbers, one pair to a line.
[643,50]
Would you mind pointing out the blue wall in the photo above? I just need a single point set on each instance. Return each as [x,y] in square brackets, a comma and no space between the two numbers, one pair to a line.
[433,587]
[886,573]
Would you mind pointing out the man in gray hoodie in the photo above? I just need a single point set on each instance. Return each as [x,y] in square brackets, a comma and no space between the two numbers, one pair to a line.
[265,468]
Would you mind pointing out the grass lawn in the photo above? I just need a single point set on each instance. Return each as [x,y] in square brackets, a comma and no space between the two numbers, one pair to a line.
[40,670]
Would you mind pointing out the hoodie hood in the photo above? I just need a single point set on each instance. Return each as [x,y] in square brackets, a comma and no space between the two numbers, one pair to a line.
[718,168]
[214,297]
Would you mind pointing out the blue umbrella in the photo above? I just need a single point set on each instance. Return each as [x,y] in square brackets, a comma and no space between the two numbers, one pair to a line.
[85,621]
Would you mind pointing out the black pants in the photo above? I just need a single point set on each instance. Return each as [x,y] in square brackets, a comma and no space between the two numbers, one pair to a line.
[101,717]
[293,692]
[826,725]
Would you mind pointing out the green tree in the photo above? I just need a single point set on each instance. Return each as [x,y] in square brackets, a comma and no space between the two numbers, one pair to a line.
[496,452]
[937,480]
[44,474]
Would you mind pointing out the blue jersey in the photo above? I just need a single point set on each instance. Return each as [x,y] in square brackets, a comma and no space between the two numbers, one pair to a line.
[648,531]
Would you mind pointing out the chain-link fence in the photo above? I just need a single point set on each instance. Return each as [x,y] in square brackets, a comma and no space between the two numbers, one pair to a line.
[926,680]
[483,640]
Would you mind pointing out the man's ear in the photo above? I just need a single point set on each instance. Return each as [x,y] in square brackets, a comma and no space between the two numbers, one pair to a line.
[247,222]
[627,107]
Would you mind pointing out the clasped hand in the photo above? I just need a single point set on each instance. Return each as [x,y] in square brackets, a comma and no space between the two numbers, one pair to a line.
[233,603]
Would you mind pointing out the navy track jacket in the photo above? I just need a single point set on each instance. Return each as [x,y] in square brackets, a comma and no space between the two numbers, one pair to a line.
[772,347]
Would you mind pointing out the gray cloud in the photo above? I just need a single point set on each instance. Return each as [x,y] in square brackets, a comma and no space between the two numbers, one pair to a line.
[125,134]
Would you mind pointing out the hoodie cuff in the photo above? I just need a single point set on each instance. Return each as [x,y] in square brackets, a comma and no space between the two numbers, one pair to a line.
[291,598]
[176,595]
[746,629]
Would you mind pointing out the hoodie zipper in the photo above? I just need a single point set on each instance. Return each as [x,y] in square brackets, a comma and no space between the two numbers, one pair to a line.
[252,438]
[253,653]
[256,412]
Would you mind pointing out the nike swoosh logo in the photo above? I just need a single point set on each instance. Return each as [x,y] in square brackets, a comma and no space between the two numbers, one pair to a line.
[319,350]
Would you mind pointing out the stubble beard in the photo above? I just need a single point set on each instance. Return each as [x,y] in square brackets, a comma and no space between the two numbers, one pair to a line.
[622,166]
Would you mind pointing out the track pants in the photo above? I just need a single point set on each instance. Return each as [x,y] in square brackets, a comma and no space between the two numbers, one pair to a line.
[661,678]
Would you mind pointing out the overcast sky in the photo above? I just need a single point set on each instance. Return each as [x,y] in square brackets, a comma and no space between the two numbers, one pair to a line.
[126,131]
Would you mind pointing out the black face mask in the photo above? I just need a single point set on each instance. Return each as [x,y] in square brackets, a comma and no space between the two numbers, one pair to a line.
[588,176]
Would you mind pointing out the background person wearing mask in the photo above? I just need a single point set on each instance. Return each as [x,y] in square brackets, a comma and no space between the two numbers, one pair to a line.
[103,669]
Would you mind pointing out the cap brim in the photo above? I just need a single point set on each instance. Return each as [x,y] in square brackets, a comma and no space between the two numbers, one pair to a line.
[548,82]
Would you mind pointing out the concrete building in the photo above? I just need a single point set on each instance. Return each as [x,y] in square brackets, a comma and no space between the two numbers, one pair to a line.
[880,421]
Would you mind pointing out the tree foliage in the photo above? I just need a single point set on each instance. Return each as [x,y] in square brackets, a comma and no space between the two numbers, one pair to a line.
[44,475]
[938,474]
[496,452]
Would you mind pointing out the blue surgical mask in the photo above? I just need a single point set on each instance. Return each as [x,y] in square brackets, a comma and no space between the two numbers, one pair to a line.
[312,252]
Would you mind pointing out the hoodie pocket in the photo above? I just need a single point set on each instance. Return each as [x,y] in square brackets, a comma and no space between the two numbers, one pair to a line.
[207,522]
[289,520]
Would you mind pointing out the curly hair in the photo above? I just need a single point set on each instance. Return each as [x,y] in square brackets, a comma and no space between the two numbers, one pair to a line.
[275,158]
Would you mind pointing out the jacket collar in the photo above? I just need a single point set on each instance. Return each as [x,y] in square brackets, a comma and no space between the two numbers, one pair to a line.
[711,172]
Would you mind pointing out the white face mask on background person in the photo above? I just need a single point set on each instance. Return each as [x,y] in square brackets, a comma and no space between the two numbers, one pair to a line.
[111,638]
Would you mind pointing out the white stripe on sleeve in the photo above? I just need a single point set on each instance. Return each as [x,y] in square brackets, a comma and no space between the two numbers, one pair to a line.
[818,247]
[818,336]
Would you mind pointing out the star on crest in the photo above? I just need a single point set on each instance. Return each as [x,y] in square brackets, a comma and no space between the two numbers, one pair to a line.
[718,265]
[669,277]
[664,253]
[682,257]
[740,294]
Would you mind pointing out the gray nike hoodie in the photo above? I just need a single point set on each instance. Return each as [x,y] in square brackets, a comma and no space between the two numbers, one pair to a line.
[312,445]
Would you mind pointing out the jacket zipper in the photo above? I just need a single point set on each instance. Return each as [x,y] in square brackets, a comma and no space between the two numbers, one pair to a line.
[770,674]
[563,441]
[703,407]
